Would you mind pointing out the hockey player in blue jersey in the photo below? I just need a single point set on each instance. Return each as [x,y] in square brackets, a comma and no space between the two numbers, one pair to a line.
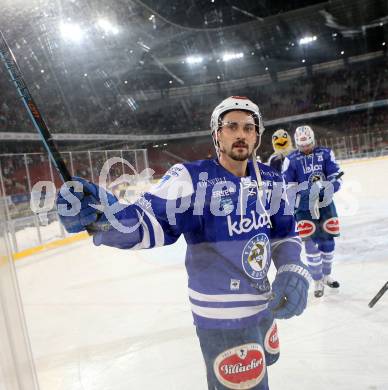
[232,213]
[316,173]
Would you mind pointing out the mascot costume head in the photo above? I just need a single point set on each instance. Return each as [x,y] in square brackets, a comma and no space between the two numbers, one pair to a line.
[282,142]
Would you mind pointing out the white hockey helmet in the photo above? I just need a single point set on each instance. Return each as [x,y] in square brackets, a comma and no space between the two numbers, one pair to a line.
[304,136]
[239,103]
[236,103]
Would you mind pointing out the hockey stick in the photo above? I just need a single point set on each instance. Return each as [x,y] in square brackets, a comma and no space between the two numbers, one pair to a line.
[337,177]
[378,295]
[8,58]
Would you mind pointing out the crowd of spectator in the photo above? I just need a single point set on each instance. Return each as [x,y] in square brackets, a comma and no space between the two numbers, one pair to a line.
[323,91]
[86,110]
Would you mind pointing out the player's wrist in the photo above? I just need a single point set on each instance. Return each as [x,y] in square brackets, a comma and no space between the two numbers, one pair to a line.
[299,270]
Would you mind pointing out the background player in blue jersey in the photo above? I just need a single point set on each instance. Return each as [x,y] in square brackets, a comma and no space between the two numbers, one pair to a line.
[314,172]
[232,213]
[282,147]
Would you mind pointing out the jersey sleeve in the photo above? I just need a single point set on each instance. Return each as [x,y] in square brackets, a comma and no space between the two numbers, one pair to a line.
[333,170]
[157,218]
[288,171]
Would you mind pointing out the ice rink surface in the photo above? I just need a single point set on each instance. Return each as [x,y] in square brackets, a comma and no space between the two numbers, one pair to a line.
[106,319]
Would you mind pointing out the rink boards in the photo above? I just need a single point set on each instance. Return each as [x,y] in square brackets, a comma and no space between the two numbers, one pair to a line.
[360,181]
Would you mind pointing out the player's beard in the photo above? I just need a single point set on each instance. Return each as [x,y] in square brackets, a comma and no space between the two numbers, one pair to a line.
[237,154]
[307,149]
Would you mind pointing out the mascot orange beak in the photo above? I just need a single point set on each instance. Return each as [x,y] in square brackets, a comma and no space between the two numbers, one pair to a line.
[280,143]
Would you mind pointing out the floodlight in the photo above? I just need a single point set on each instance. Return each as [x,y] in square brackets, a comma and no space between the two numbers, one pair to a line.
[132,103]
[306,40]
[232,56]
[143,46]
[107,27]
[194,59]
[71,32]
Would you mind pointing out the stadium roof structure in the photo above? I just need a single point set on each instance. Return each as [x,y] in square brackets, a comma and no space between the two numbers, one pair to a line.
[141,44]
[119,52]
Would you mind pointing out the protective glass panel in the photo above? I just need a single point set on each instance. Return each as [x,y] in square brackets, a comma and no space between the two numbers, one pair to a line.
[201,234]
[17,371]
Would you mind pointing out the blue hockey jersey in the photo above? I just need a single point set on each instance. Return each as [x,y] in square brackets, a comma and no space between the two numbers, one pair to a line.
[233,233]
[299,167]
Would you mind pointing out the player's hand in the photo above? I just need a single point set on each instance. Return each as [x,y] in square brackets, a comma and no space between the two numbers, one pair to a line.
[76,203]
[289,289]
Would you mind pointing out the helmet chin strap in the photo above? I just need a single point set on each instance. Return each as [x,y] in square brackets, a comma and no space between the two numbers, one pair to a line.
[256,166]
[216,143]
[259,181]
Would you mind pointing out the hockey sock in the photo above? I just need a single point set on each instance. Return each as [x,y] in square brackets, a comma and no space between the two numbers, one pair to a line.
[314,261]
[327,261]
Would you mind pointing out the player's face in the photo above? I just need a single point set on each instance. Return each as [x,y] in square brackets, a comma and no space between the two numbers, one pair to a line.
[306,149]
[237,135]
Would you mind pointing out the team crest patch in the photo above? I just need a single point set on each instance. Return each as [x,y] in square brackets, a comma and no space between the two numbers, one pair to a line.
[271,341]
[306,228]
[241,367]
[331,226]
[316,175]
[256,256]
